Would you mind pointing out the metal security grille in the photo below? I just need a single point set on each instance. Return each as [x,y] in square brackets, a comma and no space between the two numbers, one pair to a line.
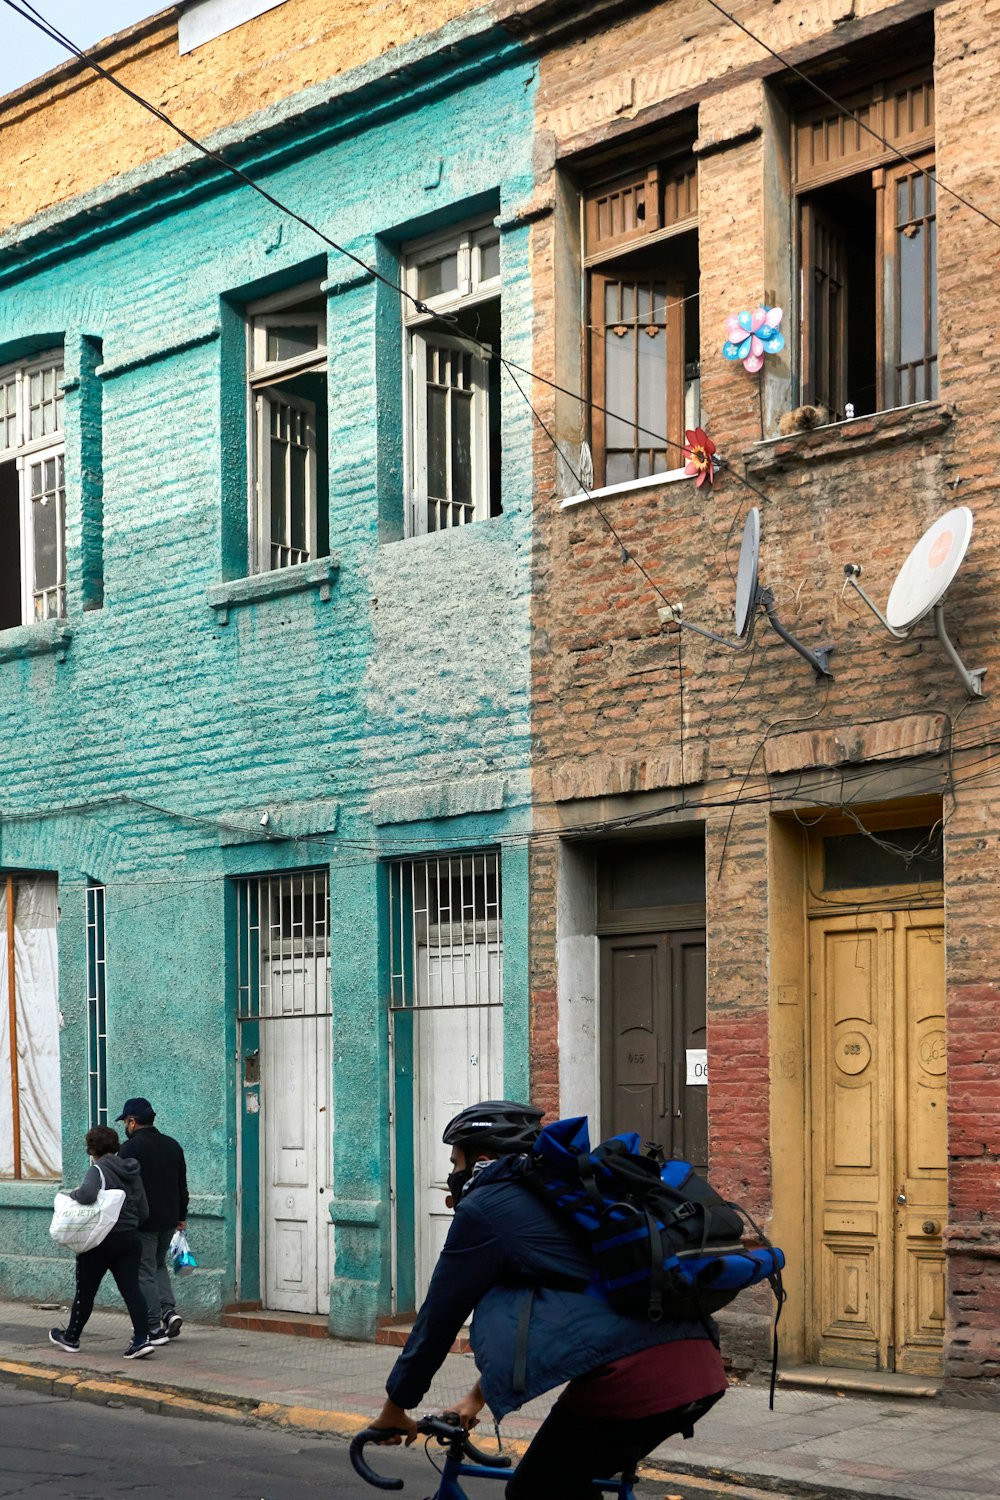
[283,946]
[445,932]
[97,1007]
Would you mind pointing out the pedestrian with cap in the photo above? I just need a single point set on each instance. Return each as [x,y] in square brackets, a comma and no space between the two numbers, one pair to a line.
[164,1177]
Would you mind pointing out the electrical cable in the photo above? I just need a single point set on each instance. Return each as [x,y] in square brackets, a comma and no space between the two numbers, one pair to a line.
[850,115]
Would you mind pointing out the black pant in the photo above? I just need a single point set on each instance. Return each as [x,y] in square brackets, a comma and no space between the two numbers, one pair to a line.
[120,1254]
[569,1449]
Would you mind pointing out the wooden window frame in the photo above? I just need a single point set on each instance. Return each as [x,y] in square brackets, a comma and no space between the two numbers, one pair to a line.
[652,205]
[901,110]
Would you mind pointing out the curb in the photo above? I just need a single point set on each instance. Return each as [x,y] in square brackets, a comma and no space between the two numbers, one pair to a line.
[166,1400]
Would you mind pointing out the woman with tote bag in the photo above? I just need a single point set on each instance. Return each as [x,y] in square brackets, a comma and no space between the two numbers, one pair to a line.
[118,1252]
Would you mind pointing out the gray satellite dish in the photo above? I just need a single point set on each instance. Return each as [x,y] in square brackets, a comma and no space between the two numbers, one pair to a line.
[922,583]
[749,597]
[746,577]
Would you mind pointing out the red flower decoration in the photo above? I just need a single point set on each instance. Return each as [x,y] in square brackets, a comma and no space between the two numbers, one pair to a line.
[699,449]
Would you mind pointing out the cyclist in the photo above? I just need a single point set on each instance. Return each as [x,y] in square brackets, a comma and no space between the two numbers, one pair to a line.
[512,1261]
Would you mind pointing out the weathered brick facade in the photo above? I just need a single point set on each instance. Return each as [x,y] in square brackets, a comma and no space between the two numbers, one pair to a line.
[619,704]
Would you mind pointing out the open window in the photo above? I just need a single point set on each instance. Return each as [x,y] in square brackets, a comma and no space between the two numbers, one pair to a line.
[453,384]
[288,395]
[32,492]
[641,261]
[867,249]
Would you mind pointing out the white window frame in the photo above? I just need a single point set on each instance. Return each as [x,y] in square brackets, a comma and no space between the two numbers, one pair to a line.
[264,382]
[467,242]
[25,452]
[421,340]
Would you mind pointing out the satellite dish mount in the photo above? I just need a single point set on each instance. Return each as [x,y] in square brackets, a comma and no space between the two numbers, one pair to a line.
[751,595]
[921,585]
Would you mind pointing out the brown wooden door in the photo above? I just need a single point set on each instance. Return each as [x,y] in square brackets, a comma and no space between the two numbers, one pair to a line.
[653,1026]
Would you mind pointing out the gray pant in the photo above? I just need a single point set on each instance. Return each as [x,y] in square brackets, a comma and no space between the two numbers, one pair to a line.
[154,1278]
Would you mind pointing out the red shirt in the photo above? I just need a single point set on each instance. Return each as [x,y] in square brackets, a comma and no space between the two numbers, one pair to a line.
[654,1380]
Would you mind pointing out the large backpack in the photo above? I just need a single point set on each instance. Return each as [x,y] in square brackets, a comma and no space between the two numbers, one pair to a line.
[662,1240]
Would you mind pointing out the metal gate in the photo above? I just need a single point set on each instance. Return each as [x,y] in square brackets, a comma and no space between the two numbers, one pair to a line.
[286,1119]
[446,1010]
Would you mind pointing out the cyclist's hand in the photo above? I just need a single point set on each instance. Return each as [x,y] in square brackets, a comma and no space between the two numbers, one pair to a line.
[468,1409]
[394,1417]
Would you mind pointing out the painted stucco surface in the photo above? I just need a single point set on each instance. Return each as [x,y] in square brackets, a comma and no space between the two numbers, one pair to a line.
[120,763]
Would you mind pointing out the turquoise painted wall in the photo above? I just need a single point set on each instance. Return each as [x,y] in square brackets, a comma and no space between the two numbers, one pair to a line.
[390,719]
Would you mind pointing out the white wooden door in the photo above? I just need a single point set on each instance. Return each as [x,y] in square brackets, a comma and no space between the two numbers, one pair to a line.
[459,1061]
[297,1149]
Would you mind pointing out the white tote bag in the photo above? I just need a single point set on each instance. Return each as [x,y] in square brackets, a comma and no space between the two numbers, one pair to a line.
[81,1226]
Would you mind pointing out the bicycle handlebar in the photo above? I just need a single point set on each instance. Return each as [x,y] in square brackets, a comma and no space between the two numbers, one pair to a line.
[447,1433]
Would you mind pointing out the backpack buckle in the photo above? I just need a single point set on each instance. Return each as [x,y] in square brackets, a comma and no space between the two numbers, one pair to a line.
[685,1210]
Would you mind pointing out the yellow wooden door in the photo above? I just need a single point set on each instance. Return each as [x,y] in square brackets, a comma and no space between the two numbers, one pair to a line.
[879,1147]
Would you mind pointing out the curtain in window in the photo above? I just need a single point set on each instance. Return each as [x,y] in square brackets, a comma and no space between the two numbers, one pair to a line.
[37,1021]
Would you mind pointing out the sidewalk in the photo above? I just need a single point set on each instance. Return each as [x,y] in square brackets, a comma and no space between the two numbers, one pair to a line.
[814,1443]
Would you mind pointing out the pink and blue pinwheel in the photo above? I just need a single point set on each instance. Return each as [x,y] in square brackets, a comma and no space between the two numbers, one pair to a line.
[752,335]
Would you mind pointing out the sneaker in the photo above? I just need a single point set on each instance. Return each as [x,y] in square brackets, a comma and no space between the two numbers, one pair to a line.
[173,1325]
[62,1340]
[136,1350]
[158,1336]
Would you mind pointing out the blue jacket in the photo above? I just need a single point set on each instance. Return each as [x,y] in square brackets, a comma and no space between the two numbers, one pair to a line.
[510,1257]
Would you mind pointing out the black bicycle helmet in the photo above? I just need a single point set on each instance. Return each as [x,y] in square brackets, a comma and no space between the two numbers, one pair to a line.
[497,1127]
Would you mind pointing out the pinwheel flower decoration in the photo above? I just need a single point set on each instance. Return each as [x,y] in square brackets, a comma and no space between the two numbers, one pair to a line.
[700,452]
[752,335]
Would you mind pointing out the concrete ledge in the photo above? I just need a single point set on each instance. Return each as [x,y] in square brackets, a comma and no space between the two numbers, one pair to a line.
[857,744]
[439,799]
[605,777]
[320,574]
[49,636]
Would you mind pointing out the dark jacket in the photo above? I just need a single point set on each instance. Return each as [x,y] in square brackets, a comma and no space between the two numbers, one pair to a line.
[112,1172]
[164,1176]
[509,1256]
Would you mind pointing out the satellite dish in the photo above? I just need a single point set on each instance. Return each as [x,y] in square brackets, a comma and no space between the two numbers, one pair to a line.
[930,569]
[746,577]
[922,583]
[749,597]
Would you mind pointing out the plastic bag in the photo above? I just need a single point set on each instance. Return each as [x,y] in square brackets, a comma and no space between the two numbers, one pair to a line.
[181,1258]
[81,1226]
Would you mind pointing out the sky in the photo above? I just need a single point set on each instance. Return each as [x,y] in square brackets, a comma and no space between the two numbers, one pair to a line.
[25,53]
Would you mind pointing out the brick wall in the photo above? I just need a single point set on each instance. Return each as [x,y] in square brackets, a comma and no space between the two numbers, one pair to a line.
[608,684]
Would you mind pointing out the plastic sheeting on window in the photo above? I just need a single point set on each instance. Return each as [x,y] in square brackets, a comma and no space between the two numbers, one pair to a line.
[36,983]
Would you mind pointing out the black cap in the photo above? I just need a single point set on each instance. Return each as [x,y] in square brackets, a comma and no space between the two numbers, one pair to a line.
[140,1110]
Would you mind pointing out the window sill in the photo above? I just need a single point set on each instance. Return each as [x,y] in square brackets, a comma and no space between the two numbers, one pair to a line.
[320,574]
[883,429]
[28,1192]
[49,636]
[669,476]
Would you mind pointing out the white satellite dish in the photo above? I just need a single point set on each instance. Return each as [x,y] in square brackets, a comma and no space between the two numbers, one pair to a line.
[746,577]
[930,569]
[749,597]
[922,583]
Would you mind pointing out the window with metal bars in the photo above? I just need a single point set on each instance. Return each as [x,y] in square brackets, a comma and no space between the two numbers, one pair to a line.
[445,931]
[97,1006]
[283,945]
[453,384]
[288,394]
[641,259]
[868,249]
[32,492]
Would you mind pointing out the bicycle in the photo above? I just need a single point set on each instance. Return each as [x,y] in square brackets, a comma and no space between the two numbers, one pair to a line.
[450,1434]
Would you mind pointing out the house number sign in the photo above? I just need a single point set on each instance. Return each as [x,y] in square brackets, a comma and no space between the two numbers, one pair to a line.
[697,1065]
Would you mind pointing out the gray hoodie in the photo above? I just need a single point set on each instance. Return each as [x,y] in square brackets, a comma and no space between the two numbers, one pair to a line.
[117,1172]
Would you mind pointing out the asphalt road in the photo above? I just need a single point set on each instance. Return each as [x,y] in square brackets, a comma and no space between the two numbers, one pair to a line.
[56,1449]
